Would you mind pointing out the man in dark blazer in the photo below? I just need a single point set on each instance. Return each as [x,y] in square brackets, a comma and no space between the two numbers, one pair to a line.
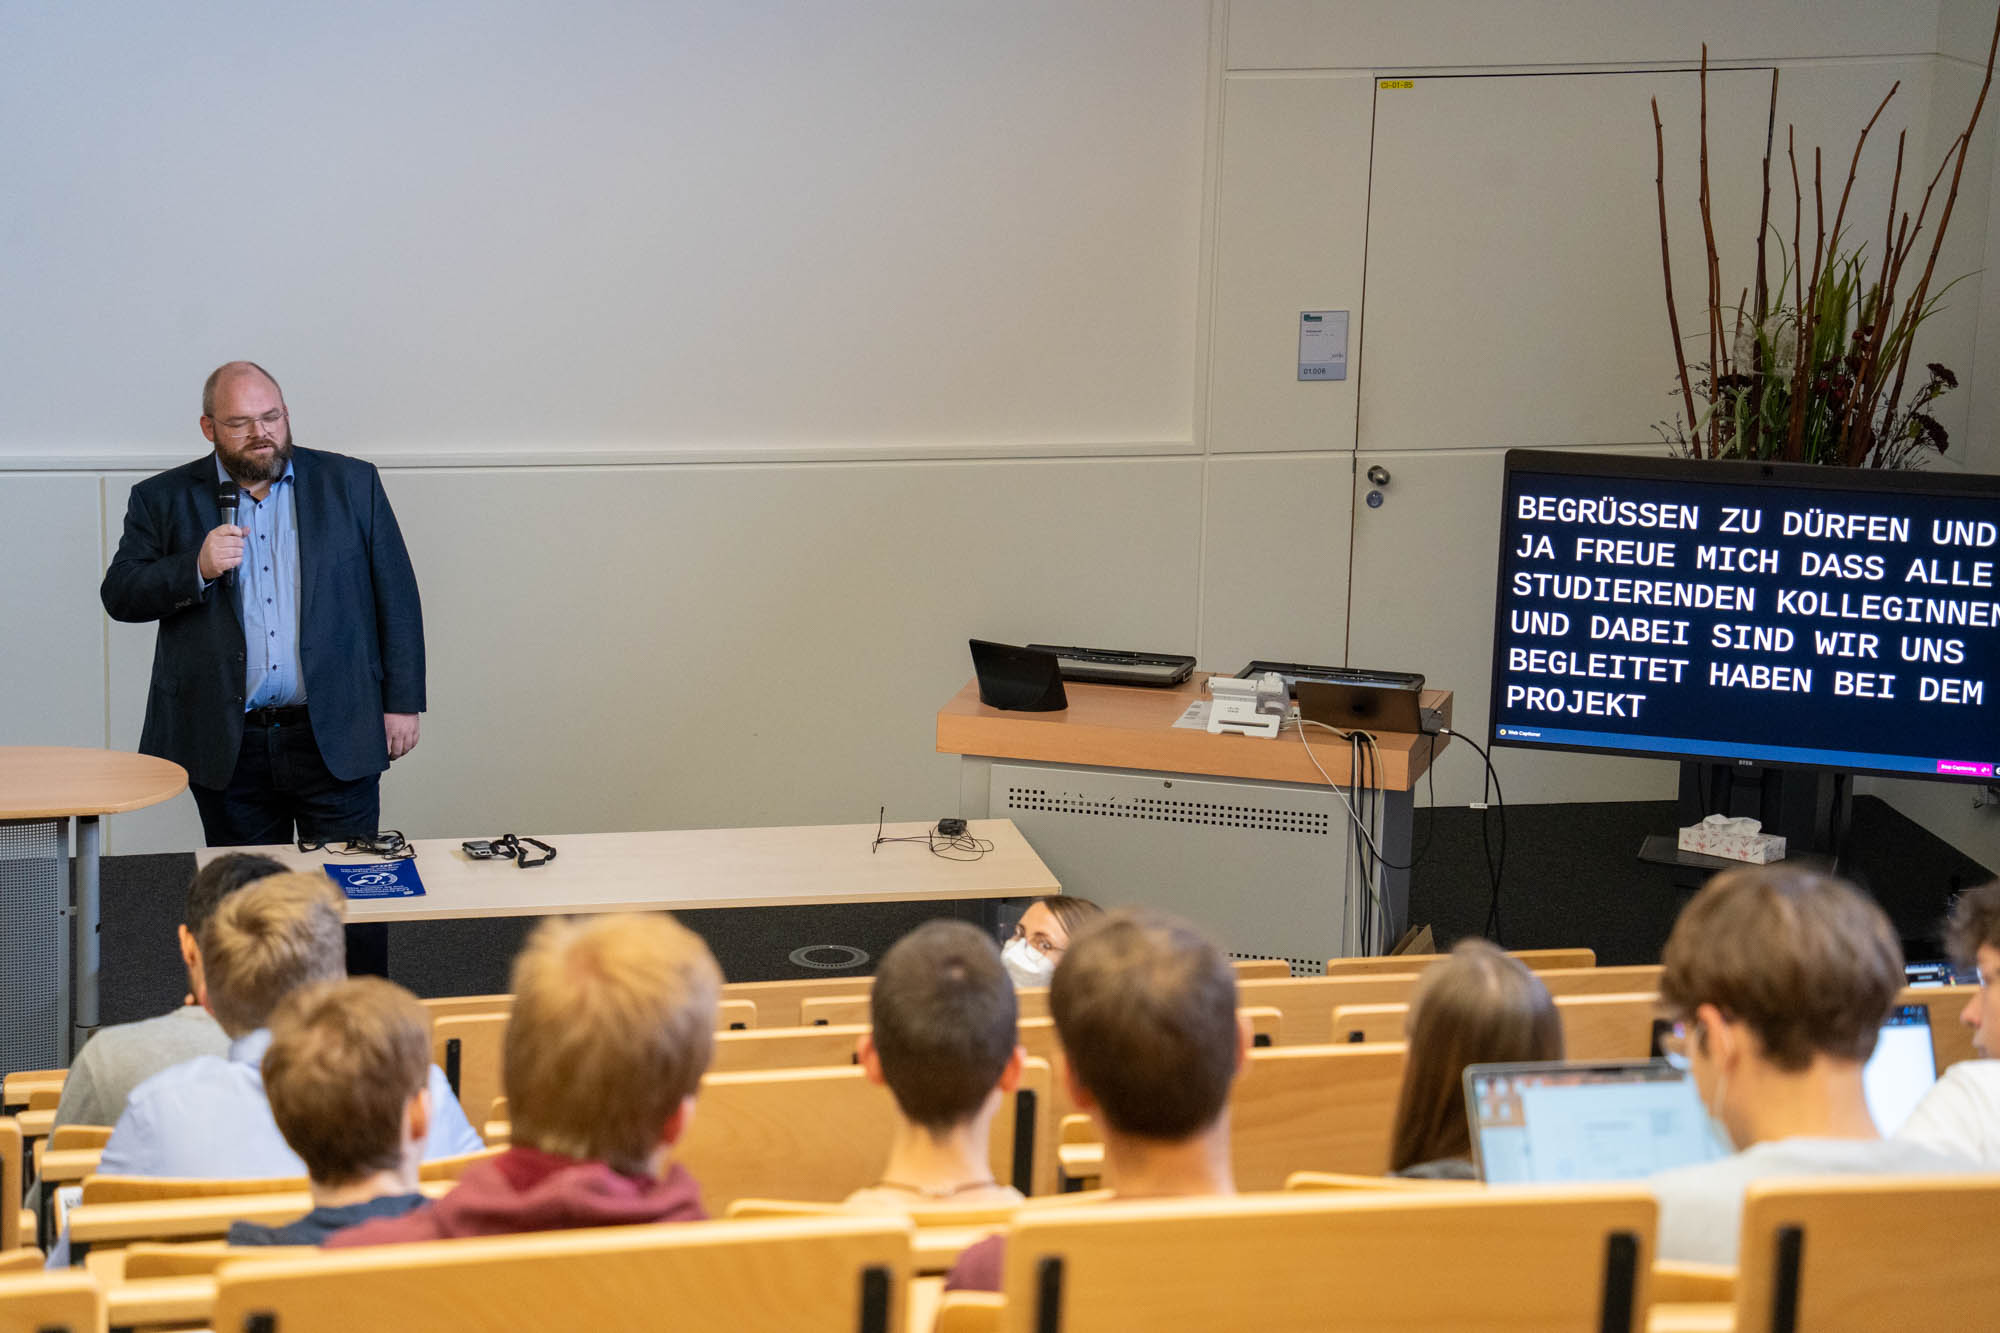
[289,668]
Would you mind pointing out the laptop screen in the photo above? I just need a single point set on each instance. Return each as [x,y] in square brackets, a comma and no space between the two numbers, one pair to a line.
[1902,1069]
[1553,1122]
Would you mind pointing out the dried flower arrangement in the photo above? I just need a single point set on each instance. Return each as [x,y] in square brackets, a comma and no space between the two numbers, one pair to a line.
[1812,369]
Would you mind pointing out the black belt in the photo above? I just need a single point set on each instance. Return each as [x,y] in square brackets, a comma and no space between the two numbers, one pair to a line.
[291,715]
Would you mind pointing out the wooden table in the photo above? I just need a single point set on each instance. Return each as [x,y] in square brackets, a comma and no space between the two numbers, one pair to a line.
[1248,835]
[693,869]
[49,1005]
[1126,726]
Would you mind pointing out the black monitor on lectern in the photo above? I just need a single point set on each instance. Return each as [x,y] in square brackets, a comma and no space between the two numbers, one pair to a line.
[1750,613]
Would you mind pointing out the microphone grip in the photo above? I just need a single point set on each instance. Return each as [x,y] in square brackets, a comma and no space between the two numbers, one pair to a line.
[228,509]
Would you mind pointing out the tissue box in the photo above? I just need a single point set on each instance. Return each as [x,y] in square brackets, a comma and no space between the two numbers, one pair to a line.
[1737,839]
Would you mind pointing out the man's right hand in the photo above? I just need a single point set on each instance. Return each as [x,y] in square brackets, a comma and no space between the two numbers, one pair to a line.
[221,551]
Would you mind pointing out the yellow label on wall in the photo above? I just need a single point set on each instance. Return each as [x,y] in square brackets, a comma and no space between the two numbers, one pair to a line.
[1396,83]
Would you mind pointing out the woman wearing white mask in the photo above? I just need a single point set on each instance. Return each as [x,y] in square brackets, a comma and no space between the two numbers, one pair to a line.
[1036,946]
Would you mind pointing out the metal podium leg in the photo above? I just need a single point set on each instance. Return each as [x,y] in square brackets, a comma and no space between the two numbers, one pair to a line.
[83,932]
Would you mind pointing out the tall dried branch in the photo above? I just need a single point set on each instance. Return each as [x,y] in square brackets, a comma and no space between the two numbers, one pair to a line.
[1963,147]
[1715,353]
[1763,307]
[1667,266]
[1854,164]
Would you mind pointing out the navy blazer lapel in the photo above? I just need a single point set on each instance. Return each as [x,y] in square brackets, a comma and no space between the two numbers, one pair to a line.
[307,522]
[201,479]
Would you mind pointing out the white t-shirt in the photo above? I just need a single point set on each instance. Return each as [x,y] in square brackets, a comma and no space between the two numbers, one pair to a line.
[1701,1206]
[1961,1115]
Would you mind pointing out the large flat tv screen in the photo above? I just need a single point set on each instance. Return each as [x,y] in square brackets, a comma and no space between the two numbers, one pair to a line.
[1750,613]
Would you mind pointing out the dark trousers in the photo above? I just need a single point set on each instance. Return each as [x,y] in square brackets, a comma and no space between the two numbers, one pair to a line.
[281,786]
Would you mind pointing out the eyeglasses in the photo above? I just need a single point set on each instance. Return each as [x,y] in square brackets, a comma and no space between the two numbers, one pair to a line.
[389,844]
[1039,942]
[1674,1045]
[247,425]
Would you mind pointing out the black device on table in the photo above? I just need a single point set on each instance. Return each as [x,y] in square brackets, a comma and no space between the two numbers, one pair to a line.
[1294,672]
[1114,666]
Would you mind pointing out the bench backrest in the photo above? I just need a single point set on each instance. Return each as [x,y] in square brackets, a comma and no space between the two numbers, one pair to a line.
[1385,1261]
[820,1134]
[731,1015]
[1951,1040]
[1538,960]
[1868,1253]
[1595,1027]
[817,1275]
[1313,1108]
[778,1001]
[51,1303]
[10,1184]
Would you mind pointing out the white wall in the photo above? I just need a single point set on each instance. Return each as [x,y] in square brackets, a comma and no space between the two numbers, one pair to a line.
[732,364]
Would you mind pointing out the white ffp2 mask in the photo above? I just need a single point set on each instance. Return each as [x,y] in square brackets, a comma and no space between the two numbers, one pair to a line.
[1026,965]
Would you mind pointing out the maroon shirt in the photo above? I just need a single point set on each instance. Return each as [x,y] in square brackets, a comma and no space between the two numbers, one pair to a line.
[978,1269]
[526,1189]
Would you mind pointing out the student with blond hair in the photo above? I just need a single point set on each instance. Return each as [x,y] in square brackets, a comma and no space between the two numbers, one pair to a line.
[1477,1006]
[613,1026]
[119,1058]
[941,1037]
[1781,978]
[348,1075]
[210,1117]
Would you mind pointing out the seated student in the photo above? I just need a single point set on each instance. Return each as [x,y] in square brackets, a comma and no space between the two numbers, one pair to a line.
[942,1038]
[348,1073]
[1146,1009]
[613,1027]
[1961,1114]
[1781,977]
[1041,936]
[1476,1007]
[209,1117]
[119,1058]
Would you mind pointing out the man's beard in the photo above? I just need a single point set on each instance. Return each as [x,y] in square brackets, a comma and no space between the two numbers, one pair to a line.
[248,470]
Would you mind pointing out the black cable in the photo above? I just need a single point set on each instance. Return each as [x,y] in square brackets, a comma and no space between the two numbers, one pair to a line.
[943,846]
[1495,871]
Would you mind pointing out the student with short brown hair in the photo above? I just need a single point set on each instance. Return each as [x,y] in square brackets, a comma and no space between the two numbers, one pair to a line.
[1477,1006]
[1962,1113]
[210,1117]
[1146,1009]
[348,1072]
[1781,978]
[942,1038]
[613,1026]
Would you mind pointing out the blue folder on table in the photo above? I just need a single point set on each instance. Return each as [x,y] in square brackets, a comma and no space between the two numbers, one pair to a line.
[377,879]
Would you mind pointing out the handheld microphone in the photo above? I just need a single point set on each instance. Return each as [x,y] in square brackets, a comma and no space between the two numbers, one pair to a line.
[226,496]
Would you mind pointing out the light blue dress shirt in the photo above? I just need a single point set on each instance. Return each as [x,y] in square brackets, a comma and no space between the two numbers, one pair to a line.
[267,594]
[208,1118]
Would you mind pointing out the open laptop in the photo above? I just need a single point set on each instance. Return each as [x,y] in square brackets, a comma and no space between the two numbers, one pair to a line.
[1903,1068]
[1555,1122]
[1558,1121]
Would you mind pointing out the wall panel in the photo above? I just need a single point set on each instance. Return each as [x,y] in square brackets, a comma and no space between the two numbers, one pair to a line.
[1291,235]
[52,649]
[687,647]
